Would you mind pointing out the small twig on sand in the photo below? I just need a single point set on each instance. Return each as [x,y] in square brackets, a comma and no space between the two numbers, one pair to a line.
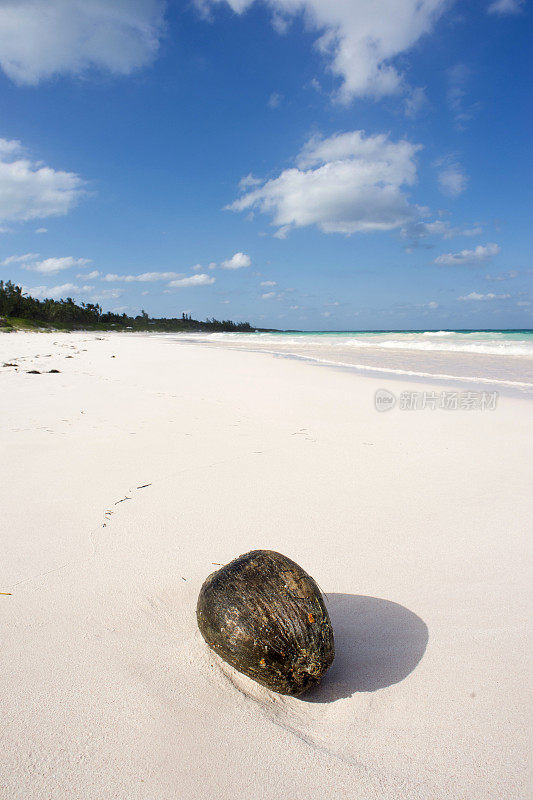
[123,499]
[144,486]
[9,593]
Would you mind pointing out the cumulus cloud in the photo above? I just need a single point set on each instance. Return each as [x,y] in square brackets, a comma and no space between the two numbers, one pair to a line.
[346,183]
[41,230]
[55,292]
[506,7]
[39,40]
[48,265]
[268,283]
[193,280]
[478,255]
[268,295]
[358,38]
[489,296]
[73,290]
[452,180]
[51,265]
[237,261]
[29,190]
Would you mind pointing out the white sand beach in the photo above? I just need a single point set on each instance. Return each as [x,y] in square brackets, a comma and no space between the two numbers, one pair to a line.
[146,462]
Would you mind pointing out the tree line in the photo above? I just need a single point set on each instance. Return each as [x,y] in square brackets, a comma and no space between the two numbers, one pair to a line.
[15,303]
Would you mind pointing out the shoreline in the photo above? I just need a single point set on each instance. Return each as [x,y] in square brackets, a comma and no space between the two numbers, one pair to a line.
[514,388]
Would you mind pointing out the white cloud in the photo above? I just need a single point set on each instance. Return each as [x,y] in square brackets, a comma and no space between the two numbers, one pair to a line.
[91,276]
[456,95]
[415,102]
[452,180]
[275,100]
[194,280]
[41,230]
[51,265]
[29,190]
[502,276]
[282,232]
[9,147]
[144,277]
[489,296]
[149,277]
[248,181]
[442,228]
[268,295]
[107,294]
[48,265]
[358,38]
[506,7]
[478,255]
[39,40]
[197,268]
[237,261]
[268,283]
[280,24]
[347,183]
[24,259]
[55,292]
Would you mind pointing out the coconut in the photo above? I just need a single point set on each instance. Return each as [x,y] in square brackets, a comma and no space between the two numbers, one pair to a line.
[265,616]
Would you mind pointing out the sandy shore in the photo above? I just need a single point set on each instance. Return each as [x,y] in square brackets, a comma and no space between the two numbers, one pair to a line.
[126,476]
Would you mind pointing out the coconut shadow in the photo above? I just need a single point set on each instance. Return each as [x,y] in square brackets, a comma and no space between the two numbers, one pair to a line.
[377,643]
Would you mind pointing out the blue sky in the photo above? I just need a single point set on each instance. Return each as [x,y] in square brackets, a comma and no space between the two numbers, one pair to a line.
[312,164]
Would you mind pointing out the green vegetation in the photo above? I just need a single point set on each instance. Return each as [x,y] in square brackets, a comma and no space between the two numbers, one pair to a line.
[19,310]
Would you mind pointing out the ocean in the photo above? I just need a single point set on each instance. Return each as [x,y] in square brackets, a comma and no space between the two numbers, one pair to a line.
[500,357]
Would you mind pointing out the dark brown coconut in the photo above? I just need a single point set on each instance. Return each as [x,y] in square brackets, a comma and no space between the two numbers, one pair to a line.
[264,615]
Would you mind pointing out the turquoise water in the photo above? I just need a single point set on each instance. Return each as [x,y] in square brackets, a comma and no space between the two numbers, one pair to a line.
[503,357]
[494,342]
